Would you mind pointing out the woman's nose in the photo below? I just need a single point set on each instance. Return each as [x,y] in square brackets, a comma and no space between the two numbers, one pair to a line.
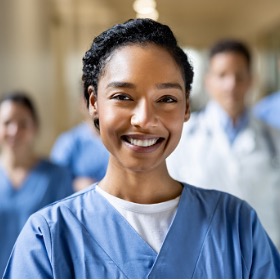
[144,115]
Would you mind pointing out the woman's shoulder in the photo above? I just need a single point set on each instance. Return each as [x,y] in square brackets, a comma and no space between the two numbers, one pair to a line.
[74,204]
[49,166]
[221,200]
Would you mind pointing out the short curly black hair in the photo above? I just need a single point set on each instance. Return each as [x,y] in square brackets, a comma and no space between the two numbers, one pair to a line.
[131,32]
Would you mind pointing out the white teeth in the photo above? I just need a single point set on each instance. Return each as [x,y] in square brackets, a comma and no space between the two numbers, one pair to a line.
[142,143]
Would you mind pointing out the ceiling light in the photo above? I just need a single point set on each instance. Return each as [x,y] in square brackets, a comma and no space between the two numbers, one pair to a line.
[146,9]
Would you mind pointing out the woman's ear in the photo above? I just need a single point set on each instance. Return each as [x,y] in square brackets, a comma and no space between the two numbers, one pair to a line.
[92,105]
[188,110]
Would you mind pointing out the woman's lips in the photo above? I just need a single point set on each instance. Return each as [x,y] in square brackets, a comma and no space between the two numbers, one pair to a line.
[142,142]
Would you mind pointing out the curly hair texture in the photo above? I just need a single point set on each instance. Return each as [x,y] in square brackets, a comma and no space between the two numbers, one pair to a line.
[131,32]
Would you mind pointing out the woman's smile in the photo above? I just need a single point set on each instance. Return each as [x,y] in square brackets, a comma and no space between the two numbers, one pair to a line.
[142,143]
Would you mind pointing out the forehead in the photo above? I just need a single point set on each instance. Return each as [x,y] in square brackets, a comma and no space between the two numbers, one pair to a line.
[9,108]
[131,60]
[227,60]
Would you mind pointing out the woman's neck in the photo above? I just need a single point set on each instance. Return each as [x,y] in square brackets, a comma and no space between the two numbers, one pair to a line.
[12,160]
[146,187]
[17,167]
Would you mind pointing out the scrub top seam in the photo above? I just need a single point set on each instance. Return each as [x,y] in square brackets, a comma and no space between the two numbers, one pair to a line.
[95,241]
[243,258]
[51,243]
[206,234]
[125,220]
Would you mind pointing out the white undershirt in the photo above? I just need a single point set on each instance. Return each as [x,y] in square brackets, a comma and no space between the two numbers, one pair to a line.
[151,221]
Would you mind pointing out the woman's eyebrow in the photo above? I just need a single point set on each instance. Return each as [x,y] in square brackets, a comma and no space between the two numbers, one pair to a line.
[158,86]
[120,85]
[169,85]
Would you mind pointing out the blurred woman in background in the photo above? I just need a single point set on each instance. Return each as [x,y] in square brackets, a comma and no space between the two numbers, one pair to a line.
[27,181]
[81,150]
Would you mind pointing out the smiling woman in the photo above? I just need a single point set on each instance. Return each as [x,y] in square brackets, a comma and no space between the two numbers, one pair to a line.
[138,222]
[137,119]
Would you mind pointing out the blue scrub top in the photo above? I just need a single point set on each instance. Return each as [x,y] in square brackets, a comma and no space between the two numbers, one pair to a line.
[213,235]
[82,152]
[46,183]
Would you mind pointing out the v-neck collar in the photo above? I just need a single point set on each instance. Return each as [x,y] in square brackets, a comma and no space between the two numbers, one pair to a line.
[8,183]
[133,256]
[130,253]
[186,236]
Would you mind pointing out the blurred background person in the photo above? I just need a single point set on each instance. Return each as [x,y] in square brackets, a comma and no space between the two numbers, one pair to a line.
[268,108]
[27,181]
[224,146]
[81,150]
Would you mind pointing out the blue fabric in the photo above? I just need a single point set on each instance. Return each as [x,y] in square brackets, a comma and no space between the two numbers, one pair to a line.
[213,235]
[268,109]
[82,152]
[231,130]
[45,184]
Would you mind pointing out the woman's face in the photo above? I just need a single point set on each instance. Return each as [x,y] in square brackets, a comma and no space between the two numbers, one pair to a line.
[17,127]
[141,105]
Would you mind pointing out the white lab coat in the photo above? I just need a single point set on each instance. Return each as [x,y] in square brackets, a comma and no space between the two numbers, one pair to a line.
[249,168]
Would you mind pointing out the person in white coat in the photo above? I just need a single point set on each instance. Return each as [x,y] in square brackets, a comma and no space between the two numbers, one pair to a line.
[225,147]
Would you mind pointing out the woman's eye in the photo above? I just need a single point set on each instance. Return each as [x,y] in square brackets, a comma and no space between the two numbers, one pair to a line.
[167,99]
[121,97]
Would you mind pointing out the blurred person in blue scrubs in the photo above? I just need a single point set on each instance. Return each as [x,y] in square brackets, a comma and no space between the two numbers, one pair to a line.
[224,146]
[28,182]
[81,150]
[138,222]
[268,108]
